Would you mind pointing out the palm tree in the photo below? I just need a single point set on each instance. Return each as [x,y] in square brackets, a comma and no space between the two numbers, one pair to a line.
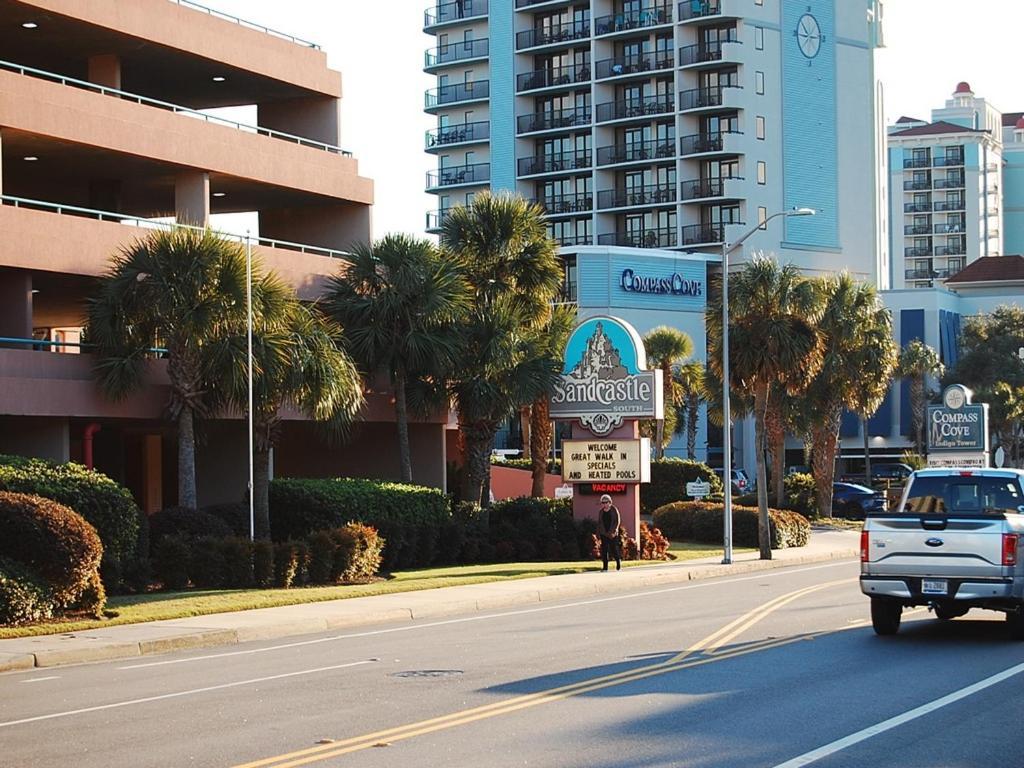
[859,357]
[398,300]
[553,337]
[667,347]
[690,379]
[514,273]
[181,288]
[773,343]
[917,361]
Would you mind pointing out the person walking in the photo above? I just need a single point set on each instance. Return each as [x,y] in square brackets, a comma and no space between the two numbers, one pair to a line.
[608,522]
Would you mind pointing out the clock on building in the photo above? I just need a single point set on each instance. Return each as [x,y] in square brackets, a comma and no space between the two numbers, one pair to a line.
[808,35]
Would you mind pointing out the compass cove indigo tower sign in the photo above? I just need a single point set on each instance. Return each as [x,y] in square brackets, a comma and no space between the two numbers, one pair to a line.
[605,378]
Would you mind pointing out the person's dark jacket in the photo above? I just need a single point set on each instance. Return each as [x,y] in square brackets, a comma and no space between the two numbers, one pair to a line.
[608,522]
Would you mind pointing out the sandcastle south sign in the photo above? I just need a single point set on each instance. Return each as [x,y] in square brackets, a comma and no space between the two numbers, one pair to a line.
[605,377]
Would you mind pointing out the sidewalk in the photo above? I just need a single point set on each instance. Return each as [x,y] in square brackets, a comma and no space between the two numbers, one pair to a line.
[223,629]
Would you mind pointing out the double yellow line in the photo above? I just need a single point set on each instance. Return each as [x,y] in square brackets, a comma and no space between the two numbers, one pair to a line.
[710,646]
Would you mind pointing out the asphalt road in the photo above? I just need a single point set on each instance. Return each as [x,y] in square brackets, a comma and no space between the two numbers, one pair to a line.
[774,669]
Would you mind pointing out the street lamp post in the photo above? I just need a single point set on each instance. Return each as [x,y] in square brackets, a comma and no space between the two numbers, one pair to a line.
[248,339]
[726,414]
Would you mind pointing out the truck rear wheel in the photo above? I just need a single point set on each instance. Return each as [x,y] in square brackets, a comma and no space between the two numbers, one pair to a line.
[1015,623]
[885,616]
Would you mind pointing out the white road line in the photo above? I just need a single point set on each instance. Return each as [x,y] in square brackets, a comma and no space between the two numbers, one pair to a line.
[481,617]
[894,722]
[40,679]
[178,694]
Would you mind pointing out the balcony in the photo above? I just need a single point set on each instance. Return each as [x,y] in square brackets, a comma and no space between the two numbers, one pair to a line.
[560,163]
[703,53]
[644,238]
[949,205]
[949,229]
[635,152]
[918,274]
[917,162]
[623,22]
[552,35]
[560,205]
[462,133]
[917,184]
[528,3]
[553,120]
[652,195]
[634,108]
[476,173]
[574,239]
[705,234]
[454,53]
[917,253]
[703,98]
[641,64]
[707,143]
[956,183]
[948,161]
[449,13]
[917,229]
[435,219]
[951,250]
[699,9]
[917,207]
[457,93]
[699,189]
[552,77]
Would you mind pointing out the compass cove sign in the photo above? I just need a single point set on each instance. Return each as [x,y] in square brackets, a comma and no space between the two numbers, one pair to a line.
[605,378]
[674,284]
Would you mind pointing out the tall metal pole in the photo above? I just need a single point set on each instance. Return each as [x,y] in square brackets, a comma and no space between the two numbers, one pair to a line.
[248,305]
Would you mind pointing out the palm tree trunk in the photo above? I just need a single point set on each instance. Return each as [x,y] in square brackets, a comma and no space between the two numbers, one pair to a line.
[261,492]
[867,452]
[659,439]
[824,461]
[775,434]
[917,412]
[526,429]
[763,530]
[692,414]
[478,441]
[187,459]
[540,444]
[402,422]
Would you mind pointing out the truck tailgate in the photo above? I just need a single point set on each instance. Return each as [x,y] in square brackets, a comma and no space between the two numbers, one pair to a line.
[906,545]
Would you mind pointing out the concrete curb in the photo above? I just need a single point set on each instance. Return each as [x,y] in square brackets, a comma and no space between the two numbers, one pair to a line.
[220,630]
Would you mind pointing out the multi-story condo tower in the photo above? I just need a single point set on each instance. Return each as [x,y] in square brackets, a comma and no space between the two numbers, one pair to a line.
[645,124]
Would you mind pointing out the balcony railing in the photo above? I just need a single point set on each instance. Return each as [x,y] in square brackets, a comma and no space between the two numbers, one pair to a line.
[528,3]
[701,188]
[574,239]
[646,105]
[476,173]
[950,250]
[698,9]
[126,96]
[918,274]
[917,207]
[548,78]
[917,162]
[636,151]
[456,92]
[700,234]
[917,229]
[947,161]
[632,65]
[950,229]
[698,98]
[704,142]
[645,238]
[247,24]
[956,183]
[162,224]
[949,205]
[654,194]
[455,52]
[556,33]
[621,22]
[563,204]
[458,134]
[436,218]
[916,252]
[446,12]
[552,119]
[918,184]
[704,52]
[565,161]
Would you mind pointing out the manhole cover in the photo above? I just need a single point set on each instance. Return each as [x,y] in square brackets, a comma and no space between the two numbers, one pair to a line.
[428,673]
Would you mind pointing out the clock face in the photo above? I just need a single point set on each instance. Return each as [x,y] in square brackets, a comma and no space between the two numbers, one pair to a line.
[808,35]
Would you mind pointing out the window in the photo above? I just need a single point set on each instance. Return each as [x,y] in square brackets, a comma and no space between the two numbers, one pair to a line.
[762,217]
[759,38]
[759,83]
[759,127]
[762,172]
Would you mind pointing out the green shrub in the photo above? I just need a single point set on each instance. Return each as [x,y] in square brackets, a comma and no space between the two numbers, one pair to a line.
[234,515]
[653,543]
[321,557]
[23,596]
[171,556]
[300,506]
[668,482]
[301,563]
[206,565]
[703,522]
[286,564]
[182,521]
[358,554]
[801,494]
[238,562]
[52,541]
[554,466]
[263,563]
[105,505]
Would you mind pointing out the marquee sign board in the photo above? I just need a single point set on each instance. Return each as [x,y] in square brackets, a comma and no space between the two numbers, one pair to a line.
[605,378]
[606,461]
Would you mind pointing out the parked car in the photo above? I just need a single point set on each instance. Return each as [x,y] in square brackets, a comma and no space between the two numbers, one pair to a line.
[892,472]
[741,483]
[856,501]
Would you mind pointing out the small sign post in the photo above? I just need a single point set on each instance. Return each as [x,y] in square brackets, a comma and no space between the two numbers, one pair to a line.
[698,489]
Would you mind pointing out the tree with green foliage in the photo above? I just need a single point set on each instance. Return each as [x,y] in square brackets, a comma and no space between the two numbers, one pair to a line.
[514,274]
[398,301]
[181,289]
[552,336]
[689,378]
[1007,411]
[917,362]
[858,359]
[774,342]
[666,349]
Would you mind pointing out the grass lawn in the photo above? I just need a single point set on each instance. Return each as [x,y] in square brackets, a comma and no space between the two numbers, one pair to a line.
[133,609]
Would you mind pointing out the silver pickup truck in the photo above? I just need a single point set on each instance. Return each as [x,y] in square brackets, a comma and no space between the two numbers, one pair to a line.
[952,544]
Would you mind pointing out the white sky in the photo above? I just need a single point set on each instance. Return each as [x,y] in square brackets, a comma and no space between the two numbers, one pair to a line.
[931,45]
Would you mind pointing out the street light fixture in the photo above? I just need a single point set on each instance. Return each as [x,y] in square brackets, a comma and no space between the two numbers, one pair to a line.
[726,415]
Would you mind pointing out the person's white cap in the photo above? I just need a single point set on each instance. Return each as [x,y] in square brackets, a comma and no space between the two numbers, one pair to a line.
[605,497]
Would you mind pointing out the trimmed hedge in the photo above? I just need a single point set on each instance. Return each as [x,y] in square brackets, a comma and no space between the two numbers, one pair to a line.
[182,521]
[56,544]
[801,494]
[554,466]
[668,482]
[23,598]
[703,522]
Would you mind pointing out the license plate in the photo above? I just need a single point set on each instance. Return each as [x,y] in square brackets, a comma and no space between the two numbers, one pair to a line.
[933,586]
